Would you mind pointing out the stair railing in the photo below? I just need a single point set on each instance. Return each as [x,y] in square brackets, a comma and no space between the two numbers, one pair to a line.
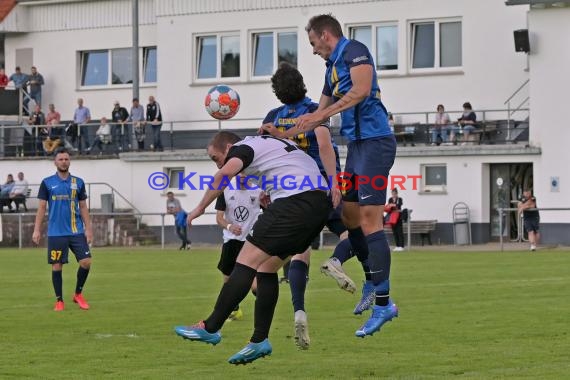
[510,110]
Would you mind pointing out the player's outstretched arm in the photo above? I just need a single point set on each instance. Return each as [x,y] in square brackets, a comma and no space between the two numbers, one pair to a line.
[221,180]
[39,219]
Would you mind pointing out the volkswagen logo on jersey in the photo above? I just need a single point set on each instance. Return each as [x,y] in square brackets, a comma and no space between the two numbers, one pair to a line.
[241,214]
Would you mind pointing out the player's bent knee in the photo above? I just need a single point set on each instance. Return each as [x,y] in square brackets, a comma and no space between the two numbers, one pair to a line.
[304,257]
[85,263]
[57,267]
[272,265]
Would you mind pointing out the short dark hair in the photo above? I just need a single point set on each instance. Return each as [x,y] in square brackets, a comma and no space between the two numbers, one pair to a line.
[440,106]
[288,84]
[221,139]
[135,99]
[61,150]
[467,105]
[320,23]
[170,192]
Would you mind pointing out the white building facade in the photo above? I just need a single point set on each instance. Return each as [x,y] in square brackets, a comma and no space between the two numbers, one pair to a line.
[428,52]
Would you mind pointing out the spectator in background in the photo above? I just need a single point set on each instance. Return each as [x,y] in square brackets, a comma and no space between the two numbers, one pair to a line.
[154,117]
[81,116]
[53,117]
[468,121]
[137,118]
[173,207]
[121,131]
[20,82]
[37,118]
[394,218]
[5,191]
[3,79]
[36,81]
[54,139]
[19,190]
[102,136]
[20,79]
[441,126]
[531,218]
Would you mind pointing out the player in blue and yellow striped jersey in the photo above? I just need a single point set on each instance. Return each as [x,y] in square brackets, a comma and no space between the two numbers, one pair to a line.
[69,226]
[289,88]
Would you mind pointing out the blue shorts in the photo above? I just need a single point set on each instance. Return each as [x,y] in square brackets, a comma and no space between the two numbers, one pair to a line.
[371,160]
[58,248]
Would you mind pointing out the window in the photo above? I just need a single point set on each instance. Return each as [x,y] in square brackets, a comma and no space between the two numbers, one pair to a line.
[174,175]
[122,65]
[218,56]
[382,41]
[94,68]
[436,44]
[115,66]
[207,57]
[272,48]
[230,56]
[434,178]
[149,64]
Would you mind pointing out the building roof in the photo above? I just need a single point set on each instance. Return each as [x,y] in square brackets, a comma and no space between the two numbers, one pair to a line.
[540,3]
[6,7]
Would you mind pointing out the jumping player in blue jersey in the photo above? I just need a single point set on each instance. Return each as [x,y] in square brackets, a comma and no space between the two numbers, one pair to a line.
[69,226]
[289,87]
[351,89]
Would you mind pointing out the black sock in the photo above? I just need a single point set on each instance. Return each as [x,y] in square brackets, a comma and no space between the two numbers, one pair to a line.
[298,283]
[236,308]
[382,300]
[343,251]
[360,245]
[267,295]
[82,274]
[379,257]
[57,281]
[232,293]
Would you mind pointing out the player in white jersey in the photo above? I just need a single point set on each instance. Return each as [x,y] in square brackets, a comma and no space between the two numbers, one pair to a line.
[237,209]
[298,211]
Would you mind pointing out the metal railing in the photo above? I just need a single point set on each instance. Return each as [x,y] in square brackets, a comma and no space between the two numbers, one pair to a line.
[510,111]
[520,230]
[138,215]
[27,139]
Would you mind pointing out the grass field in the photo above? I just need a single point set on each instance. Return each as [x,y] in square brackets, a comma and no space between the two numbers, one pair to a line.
[468,315]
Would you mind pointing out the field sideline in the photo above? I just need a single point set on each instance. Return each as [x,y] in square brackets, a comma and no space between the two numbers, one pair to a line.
[469,315]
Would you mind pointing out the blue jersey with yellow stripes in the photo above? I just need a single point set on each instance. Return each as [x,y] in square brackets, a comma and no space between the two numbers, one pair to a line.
[63,196]
[285,117]
[369,118]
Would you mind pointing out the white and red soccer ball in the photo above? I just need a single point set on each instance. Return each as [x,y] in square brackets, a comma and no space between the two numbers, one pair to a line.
[222,102]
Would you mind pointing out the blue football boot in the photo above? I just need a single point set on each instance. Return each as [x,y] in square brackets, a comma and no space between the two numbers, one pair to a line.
[251,352]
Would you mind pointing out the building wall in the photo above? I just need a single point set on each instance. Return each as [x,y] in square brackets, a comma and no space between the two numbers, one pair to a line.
[172,25]
[549,84]
[491,71]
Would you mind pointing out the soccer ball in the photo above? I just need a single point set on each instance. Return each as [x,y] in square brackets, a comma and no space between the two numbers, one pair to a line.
[222,102]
